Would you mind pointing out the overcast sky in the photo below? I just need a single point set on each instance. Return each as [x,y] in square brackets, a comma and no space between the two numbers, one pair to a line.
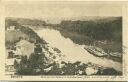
[58,10]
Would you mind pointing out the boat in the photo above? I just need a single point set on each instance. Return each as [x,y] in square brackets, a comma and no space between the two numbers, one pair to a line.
[116,54]
[96,51]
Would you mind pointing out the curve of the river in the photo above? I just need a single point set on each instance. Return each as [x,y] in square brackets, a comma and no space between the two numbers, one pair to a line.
[72,51]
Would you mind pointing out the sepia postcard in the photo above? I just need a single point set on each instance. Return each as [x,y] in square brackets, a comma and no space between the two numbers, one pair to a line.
[63,41]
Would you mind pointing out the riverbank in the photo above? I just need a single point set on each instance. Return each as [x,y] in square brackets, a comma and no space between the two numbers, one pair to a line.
[55,54]
[108,47]
[74,52]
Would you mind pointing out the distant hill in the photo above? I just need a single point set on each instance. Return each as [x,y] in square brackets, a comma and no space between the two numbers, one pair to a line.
[86,30]
[104,32]
[25,21]
[99,29]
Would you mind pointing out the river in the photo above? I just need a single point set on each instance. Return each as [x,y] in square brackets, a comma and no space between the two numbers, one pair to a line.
[74,52]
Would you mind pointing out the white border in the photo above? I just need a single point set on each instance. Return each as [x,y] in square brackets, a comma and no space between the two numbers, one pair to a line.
[66,78]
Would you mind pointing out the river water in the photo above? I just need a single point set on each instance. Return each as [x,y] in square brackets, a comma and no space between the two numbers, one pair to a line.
[74,52]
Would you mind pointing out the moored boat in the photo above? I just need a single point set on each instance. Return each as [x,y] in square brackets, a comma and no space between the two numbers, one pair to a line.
[96,51]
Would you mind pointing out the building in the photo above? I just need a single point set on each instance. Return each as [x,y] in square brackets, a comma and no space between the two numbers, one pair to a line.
[9,65]
[11,28]
[91,70]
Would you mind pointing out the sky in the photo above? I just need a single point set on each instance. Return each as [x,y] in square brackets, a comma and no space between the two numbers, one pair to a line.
[60,10]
